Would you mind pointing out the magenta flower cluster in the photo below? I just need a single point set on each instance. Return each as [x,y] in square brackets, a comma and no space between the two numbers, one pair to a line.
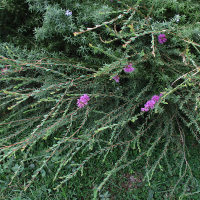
[116,78]
[128,68]
[162,38]
[83,100]
[151,103]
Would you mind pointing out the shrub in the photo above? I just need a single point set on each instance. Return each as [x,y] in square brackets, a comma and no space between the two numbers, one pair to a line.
[39,97]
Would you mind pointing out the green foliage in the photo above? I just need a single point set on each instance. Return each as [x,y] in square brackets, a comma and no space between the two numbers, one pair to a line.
[47,25]
[42,129]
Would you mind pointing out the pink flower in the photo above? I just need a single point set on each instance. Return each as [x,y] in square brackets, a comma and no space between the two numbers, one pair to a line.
[162,38]
[129,68]
[116,78]
[151,103]
[144,109]
[83,100]
[155,98]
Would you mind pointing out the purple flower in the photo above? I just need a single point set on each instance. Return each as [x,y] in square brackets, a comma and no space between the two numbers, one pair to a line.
[68,13]
[162,38]
[144,109]
[155,98]
[116,78]
[83,100]
[151,103]
[129,68]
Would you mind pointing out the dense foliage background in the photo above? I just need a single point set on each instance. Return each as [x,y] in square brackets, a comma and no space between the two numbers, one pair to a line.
[53,52]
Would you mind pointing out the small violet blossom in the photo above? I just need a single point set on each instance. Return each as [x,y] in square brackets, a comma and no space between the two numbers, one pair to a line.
[68,13]
[162,38]
[129,68]
[116,78]
[151,103]
[83,100]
